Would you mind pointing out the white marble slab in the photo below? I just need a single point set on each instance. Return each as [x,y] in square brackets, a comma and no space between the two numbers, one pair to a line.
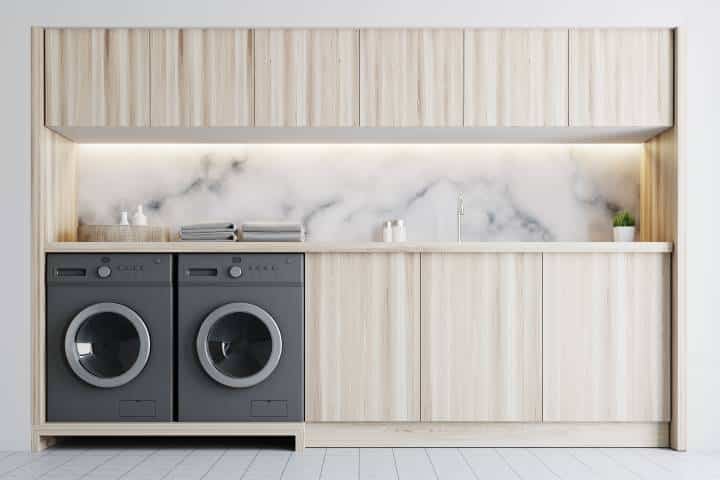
[345,192]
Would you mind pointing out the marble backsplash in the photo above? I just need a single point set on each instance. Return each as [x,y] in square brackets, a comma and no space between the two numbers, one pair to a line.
[345,192]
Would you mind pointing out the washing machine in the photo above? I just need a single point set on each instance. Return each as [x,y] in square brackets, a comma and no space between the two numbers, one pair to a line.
[109,337]
[240,337]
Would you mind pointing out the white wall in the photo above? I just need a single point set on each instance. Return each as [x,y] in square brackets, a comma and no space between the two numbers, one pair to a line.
[699,16]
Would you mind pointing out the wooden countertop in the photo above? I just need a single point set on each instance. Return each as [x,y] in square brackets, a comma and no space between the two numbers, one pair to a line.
[362,247]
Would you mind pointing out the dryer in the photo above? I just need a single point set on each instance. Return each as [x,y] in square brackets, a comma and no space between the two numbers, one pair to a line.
[240,337]
[109,337]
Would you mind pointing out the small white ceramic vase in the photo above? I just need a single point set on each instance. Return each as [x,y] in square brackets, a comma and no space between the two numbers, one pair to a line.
[624,234]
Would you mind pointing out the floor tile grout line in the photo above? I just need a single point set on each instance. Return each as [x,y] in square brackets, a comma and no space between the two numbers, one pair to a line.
[507,463]
[145,459]
[622,465]
[217,460]
[654,462]
[397,469]
[472,470]
[287,462]
[178,463]
[247,469]
[572,454]
[8,472]
[109,459]
[531,452]
[427,454]
[322,467]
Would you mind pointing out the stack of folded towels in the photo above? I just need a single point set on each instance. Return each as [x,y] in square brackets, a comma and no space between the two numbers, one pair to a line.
[209,232]
[273,232]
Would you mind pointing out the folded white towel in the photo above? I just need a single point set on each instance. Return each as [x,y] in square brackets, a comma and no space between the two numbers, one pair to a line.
[200,237]
[268,226]
[222,226]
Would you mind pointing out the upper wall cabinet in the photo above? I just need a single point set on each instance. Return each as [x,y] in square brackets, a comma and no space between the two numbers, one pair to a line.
[201,78]
[306,78]
[411,78]
[621,77]
[97,77]
[516,77]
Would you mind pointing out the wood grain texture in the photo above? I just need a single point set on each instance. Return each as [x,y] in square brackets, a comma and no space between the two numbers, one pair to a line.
[659,189]
[606,337]
[362,338]
[481,337]
[201,77]
[516,78]
[486,434]
[54,214]
[306,78]
[621,77]
[97,77]
[411,78]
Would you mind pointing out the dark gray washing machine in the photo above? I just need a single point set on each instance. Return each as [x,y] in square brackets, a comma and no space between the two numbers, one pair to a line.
[109,337]
[240,337]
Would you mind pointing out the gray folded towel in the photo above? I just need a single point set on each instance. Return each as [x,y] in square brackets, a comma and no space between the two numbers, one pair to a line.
[209,227]
[262,226]
[208,237]
[273,236]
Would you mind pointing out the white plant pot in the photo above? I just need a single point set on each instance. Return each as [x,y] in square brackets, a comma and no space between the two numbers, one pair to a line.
[624,234]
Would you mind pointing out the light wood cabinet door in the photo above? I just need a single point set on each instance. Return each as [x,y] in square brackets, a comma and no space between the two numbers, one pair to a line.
[606,337]
[516,78]
[97,77]
[621,77]
[362,338]
[201,77]
[306,78]
[481,337]
[411,78]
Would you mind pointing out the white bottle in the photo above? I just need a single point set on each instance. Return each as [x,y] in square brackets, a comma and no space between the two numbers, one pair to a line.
[139,217]
[398,231]
[387,232]
[124,218]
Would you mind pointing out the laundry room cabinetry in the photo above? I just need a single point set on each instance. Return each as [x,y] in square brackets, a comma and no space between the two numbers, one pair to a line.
[481,337]
[606,337]
[362,351]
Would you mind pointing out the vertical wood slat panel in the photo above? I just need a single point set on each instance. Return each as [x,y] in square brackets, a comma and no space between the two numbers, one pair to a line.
[201,77]
[621,77]
[362,348]
[606,337]
[516,78]
[306,78]
[481,337]
[411,78]
[97,77]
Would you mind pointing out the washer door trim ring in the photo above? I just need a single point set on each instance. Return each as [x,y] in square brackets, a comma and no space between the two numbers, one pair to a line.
[73,357]
[204,353]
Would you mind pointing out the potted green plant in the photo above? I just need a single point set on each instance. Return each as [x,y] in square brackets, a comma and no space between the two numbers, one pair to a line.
[624,227]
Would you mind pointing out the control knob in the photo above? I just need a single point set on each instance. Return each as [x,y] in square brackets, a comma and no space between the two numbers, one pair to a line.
[235,271]
[104,271]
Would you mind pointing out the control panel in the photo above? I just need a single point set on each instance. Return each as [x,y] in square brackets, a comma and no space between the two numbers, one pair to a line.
[238,269]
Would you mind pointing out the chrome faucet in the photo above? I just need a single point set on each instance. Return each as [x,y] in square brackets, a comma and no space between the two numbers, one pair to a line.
[460,214]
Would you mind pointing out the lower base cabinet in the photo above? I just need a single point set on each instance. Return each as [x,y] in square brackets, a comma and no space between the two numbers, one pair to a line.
[481,337]
[606,337]
[362,350]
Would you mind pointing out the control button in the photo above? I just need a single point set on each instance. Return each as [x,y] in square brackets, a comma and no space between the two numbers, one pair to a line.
[274,267]
[104,271]
[235,271]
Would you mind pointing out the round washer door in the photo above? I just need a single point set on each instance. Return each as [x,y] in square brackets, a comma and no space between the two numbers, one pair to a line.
[107,345]
[239,345]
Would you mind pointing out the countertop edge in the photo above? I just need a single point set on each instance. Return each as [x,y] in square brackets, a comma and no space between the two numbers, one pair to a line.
[362,247]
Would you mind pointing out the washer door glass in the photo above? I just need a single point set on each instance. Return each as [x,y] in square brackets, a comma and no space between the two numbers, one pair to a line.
[239,345]
[107,345]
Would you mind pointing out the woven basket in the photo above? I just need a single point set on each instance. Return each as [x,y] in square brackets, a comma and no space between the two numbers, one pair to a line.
[122,233]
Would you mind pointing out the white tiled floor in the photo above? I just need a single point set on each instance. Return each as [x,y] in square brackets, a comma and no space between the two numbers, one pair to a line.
[272,462]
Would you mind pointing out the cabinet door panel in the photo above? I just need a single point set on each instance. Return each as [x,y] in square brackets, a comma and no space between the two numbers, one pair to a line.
[306,78]
[481,337]
[606,337]
[97,77]
[362,349]
[621,77]
[411,78]
[516,78]
[201,77]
